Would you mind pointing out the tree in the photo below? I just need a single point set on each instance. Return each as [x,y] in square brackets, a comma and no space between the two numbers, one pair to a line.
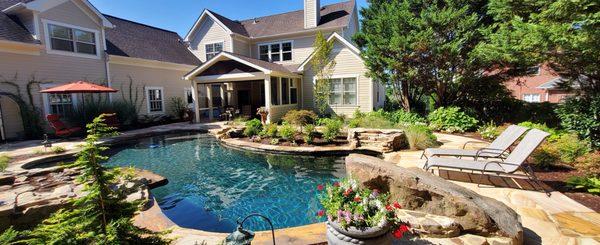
[102,216]
[564,33]
[322,65]
[421,46]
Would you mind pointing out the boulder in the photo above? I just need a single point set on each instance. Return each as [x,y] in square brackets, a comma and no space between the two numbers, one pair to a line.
[421,191]
[428,224]
[381,140]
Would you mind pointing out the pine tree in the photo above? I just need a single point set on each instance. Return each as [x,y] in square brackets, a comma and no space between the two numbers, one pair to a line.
[101,216]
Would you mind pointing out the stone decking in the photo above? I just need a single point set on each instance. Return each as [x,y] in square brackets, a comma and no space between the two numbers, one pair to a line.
[547,220]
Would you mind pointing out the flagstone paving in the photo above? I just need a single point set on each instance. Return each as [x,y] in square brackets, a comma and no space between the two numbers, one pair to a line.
[547,220]
[556,219]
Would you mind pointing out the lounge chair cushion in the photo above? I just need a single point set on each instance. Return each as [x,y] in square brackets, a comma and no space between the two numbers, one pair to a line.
[471,165]
[459,153]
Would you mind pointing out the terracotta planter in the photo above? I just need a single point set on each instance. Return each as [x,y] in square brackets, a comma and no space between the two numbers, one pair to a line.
[373,235]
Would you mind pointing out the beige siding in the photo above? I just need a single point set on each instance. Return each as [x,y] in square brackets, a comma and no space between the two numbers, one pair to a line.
[56,69]
[302,47]
[209,32]
[11,118]
[241,47]
[170,80]
[70,13]
[347,65]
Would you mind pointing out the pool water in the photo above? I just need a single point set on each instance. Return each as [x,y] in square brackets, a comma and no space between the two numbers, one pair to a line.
[212,186]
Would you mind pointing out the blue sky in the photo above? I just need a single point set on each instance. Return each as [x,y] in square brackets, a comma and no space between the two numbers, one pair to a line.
[179,15]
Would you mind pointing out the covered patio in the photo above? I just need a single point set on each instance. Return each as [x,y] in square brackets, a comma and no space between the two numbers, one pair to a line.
[231,82]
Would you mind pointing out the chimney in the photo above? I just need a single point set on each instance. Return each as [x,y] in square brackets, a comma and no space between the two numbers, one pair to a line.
[312,13]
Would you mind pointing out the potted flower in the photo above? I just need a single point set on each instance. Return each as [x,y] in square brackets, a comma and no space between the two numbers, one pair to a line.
[263,113]
[357,215]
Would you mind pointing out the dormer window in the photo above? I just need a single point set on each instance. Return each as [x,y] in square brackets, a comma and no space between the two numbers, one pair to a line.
[275,52]
[72,40]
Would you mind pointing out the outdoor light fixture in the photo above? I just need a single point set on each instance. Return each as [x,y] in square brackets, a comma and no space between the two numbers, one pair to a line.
[46,143]
[244,237]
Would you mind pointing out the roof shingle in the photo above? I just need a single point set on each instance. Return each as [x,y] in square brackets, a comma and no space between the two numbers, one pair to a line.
[131,39]
[334,15]
[11,30]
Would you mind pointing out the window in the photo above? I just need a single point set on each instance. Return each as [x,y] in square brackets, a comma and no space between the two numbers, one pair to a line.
[215,91]
[285,86]
[212,49]
[60,104]
[275,52]
[72,40]
[294,91]
[531,98]
[189,97]
[274,93]
[343,91]
[155,99]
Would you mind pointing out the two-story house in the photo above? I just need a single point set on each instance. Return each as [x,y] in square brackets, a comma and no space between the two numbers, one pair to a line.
[45,43]
[265,62]
[539,84]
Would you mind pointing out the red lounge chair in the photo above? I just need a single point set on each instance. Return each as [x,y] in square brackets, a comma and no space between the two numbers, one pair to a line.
[60,128]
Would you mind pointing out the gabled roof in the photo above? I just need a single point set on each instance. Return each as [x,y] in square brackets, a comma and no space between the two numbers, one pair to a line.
[554,83]
[331,37]
[135,40]
[43,5]
[12,30]
[261,65]
[332,16]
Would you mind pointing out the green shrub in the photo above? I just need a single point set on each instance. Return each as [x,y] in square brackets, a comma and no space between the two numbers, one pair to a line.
[582,115]
[589,164]
[406,118]
[178,107]
[300,117]
[489,131]
[57,149]
[570,147]
[309,134]
[253,127]
[375,119]
[9,236]
[420,137]
[451,119]
[546,155]
[269,130]
[554,134]
[566,148]
[589,184]
[4,159]
[287,132]
[332,128]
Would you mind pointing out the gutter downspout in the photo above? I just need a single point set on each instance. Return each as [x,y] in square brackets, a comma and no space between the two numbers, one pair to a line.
[108,78]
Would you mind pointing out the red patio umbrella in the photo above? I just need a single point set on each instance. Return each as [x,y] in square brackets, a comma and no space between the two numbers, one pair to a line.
[79,87]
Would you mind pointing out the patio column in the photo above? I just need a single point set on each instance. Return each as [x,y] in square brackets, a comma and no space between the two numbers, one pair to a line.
[268,96]
[196,101]
[210,102]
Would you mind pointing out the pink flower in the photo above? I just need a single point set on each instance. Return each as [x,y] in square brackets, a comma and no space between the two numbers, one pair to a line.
[347,192]
[321,213]
[336,184]
[389,208]
[398,234]
[320,187]
[357,199]
[348,216]
[404,228]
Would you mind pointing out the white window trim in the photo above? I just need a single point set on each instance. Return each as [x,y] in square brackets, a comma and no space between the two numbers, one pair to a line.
[531,96]
[48,44]
[162,93]
[357,89]
[280,50]
[222,42]
[46,100]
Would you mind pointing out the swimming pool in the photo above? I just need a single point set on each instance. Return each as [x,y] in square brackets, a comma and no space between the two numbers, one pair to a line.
[211,186]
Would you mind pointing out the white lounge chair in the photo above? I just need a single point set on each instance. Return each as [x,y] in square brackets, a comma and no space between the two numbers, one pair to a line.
[516,160]
[499,148]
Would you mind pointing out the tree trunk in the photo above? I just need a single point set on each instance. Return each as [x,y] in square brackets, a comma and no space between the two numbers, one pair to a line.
[405,96]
